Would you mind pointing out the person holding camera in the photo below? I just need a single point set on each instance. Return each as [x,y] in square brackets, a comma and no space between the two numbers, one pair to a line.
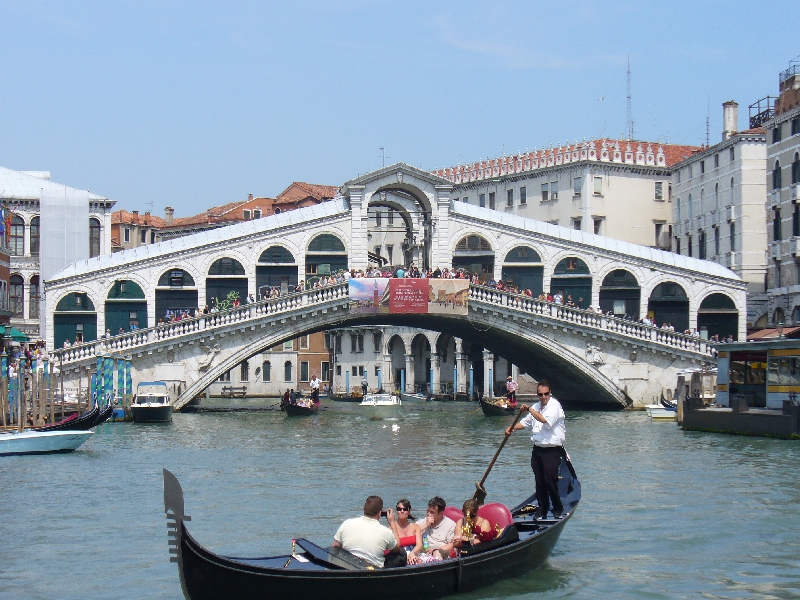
[368,539]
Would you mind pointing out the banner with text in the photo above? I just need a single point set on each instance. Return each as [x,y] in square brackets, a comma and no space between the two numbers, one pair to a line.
[409,295]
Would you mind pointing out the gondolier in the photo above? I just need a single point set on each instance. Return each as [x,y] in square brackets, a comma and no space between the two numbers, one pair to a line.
[315,389]
[546,420]
[364,383]
[511,391]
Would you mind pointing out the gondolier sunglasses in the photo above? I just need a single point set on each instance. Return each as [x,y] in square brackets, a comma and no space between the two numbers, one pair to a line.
[543,395]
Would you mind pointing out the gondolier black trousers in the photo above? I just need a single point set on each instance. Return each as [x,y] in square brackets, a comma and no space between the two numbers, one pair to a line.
[545,463]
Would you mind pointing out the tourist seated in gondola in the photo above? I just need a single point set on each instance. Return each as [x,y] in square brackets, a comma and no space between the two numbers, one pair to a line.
[410,533]
[368,539]
[438,529]
[478,529]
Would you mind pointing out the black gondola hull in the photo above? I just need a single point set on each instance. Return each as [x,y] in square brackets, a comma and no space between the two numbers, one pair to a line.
[81,423]
[293,410]
[492,410]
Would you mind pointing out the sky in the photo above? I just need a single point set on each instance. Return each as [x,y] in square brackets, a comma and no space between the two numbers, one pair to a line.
[196,104]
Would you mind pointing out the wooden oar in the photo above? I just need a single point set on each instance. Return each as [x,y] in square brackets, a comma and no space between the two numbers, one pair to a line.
[480,491]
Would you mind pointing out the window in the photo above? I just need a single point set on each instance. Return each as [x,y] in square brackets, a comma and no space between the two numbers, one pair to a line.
[288,346]
[776,134]
[545,192]
[732,154]
[356,342]
[378,218]
[733,237]
[510,197]
[778,282]
[339,370]
[796,168]
[576,185]
[659,190]
[598,226]
[338,343]
[287,371]
[677,245]
[659,233]
[378,250]
[33,303]
[702,166]
[304,342]
[776,176]
[482,200]
[491,200]
[376,341]
[266,371]
[15,292]
[701,245]
[690,207]
[257,213]
[465,200]
[554,190]
[304,370]
[576,224]
[17,239]
[246,214]
[152,236]
[389,251]
[226,376]
[796,221]
[598,185]
[678,209]
[523,195]
[716,241]
[244,371]
[795,125]
[776,225]
[716,196]
[390,219]
[127,235]
[327,341]
[35,236]
[325,370]
[377,371]
[143,235]
[689,172]
[716,161]
[688,245]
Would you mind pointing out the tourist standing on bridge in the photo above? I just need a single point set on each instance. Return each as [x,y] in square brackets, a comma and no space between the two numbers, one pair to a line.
[546,420]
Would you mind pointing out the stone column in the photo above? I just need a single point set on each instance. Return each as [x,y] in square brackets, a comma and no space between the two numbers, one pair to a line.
[387,373]
[409,374]
[488,374]
[436,367]
[358,227]
[440,250]
[463,368]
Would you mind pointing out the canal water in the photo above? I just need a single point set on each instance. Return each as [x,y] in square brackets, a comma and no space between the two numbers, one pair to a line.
[664,513]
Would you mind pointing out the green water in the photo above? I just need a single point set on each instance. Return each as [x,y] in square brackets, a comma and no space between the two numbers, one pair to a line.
[664,513]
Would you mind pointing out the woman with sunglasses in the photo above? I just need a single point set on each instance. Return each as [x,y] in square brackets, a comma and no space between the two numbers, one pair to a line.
[410,533]
[480,531]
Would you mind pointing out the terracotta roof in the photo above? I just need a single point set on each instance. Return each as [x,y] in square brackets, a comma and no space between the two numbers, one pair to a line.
[773,333]
[123,217]
[317,191]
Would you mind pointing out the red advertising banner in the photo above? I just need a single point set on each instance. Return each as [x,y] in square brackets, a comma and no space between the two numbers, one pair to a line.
[408,295]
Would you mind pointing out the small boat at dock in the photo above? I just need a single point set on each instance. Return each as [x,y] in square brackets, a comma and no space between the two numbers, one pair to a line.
[152,403]
[41,442]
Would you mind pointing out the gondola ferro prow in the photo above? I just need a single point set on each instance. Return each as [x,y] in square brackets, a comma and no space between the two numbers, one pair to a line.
[173,507]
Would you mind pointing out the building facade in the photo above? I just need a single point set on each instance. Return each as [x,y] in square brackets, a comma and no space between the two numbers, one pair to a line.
[21,193]
[783,206]
[718,203]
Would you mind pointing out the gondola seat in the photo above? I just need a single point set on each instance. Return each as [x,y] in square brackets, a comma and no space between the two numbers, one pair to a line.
[497,514]
[451,512]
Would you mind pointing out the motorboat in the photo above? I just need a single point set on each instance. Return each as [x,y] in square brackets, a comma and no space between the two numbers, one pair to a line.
[41,442]
[416,397]
[524,542]
[659,412]
[382,405]
[152,403]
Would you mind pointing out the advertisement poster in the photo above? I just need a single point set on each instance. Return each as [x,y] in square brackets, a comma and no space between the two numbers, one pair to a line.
[405,295]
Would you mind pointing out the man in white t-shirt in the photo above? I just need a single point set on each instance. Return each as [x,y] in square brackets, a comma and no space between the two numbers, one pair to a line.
[366,538]
[315,389]
[438,528]
[546,421]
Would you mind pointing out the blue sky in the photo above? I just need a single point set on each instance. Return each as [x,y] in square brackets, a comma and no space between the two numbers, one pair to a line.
[197,104]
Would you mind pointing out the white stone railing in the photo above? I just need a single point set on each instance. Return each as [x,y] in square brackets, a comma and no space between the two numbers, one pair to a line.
[130,341]
[591,319]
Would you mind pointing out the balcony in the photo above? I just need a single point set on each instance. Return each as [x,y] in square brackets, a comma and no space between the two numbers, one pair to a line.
[762,111]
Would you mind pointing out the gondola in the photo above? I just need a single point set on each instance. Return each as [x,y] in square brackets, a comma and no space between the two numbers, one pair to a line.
[493,410]
[667,404]
[293,410]
[104,415]
[74,422]
[333,573]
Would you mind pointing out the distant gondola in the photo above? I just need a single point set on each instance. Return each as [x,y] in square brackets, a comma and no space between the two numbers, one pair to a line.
[75,423]
[667,404]
[335,574]
[494,410]
[293,410]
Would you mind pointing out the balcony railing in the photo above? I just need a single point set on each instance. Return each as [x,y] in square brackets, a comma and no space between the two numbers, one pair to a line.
[762,111]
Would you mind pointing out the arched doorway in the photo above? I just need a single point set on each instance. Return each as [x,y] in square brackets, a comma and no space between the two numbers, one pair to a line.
[717,315]
[669,304]
[176,292]
[421,351]
[75,320]
[571,277]
[523,268]
[620,294]
[778,318]
[474,254]
[276,268]
[397,352]
[326,254]
[126,307]
[225,276]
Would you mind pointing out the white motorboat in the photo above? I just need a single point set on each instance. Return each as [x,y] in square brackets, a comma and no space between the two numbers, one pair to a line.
[418,397]
[41,442]
[152,403]
[657,412]
[382,405]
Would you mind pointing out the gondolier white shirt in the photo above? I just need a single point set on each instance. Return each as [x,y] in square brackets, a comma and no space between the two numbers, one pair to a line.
[550,434]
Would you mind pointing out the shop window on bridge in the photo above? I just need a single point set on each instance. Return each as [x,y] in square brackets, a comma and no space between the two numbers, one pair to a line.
[717,316]
[276,268]
[620,294]
[572,280]
[125,307]
[175,279]
[326,255]
[175,292]
[474,254]
[226,266]
[326,243]
[74,319]
[226,282]
[523,268]
[668,303]
[266,371]
[473,242]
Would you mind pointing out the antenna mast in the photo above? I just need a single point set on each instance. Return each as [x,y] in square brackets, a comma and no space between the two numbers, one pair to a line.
[629,124]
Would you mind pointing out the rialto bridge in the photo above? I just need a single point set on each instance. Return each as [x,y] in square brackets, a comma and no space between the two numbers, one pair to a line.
[606,358]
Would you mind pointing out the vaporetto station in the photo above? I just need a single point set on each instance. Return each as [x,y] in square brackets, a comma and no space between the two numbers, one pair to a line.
[597,357]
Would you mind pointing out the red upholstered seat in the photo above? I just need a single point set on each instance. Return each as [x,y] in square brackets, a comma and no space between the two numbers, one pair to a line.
[451,512]
[497,514]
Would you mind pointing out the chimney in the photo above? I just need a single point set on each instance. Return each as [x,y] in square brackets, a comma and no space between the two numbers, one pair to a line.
[136,216]
[147,217]
[730,119]
[249,197]
[169,213]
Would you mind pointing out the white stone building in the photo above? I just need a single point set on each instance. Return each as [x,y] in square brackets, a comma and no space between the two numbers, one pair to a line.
[783,209]
[718,203]
[22,191]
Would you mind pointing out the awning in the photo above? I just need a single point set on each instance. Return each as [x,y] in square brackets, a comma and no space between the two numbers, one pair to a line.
[12,333]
